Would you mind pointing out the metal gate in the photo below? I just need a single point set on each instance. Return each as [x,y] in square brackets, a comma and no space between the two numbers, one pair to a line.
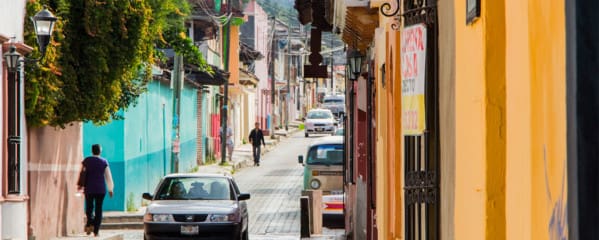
[422,198]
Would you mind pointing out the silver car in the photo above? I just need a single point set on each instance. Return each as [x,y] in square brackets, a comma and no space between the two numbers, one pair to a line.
[196,206]
[319,121]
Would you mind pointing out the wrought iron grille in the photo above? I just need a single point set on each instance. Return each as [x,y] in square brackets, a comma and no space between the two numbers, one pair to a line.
[422,198]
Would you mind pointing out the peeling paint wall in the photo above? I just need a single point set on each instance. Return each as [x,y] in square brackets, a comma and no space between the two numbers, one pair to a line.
[54,162]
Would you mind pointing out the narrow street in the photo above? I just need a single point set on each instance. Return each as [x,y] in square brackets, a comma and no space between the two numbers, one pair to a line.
[275,187]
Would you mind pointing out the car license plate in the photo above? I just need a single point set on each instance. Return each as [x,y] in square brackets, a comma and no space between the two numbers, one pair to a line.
[190,230]
[320,129]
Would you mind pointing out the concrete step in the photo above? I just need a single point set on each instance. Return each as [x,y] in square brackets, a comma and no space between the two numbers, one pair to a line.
[122,219]
[123,225]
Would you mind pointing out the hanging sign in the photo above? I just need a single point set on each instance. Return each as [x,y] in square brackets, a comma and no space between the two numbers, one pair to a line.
[413,72]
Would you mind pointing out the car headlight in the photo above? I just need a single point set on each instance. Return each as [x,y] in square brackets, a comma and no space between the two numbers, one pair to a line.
[223,218]
[159,217]
[315,184]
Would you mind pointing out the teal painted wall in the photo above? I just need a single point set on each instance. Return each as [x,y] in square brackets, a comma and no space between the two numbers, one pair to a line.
[146,135]
[111,137]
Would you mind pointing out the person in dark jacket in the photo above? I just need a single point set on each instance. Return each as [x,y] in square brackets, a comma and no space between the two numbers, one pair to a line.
[256,138]
[98,179]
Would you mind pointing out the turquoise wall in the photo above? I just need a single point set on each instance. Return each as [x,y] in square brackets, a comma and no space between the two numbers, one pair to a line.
[146,135]
[112,139]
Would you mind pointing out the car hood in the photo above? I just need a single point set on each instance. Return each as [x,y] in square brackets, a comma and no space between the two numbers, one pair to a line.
[325,120]
[192,206]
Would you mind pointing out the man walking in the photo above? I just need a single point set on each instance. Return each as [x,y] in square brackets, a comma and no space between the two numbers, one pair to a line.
[97,179]
[256,137]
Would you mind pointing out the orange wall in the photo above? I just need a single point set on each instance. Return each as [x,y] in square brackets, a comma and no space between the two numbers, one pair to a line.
[234,55]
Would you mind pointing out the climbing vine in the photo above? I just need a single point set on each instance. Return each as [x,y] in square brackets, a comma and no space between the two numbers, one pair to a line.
[99,61]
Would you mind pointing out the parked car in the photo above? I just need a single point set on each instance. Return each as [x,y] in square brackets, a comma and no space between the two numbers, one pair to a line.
[323,170]
[319,121]
[196,205]
[335,103]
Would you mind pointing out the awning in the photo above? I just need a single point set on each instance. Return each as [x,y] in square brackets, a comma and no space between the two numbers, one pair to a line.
[247,54]
[247,78]
[193,74]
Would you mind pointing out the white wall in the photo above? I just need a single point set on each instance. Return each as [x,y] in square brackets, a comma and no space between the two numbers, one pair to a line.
[12,14]
[16,226]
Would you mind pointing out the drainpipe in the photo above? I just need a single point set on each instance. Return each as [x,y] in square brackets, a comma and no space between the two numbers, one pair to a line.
[225,109]
[178,86]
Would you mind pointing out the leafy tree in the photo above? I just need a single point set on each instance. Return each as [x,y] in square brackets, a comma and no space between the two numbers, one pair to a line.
[100,58]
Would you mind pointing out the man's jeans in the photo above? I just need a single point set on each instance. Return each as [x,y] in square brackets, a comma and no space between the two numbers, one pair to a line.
[90,201]
[256,151]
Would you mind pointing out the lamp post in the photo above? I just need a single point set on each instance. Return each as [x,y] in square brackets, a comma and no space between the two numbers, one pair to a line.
[355,64]
[43,22]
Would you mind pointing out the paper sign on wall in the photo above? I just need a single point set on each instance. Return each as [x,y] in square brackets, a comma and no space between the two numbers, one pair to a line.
[413,73]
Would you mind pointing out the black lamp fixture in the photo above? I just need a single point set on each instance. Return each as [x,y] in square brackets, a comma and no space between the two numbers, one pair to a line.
[12,59]
[43,22]
[355,63]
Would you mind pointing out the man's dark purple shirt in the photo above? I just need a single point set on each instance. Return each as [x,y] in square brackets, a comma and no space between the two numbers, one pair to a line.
[95,182]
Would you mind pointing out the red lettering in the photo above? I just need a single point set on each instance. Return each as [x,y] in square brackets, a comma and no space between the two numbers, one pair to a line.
[410,65]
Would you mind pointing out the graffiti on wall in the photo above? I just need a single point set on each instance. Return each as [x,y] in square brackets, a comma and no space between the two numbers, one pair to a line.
[558,223]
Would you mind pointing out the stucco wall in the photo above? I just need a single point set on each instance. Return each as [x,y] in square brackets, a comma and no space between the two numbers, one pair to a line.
[511,122]
[139,147]
[447,116]
[548,119]
[54,162]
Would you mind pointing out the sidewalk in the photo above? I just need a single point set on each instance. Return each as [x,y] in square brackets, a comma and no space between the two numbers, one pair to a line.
[242,154]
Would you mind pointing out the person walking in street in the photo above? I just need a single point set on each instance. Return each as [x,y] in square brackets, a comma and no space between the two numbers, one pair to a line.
[98,179]
[256,138]
[230,143]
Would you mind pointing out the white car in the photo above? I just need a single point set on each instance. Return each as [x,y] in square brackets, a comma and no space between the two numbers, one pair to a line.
[320,121]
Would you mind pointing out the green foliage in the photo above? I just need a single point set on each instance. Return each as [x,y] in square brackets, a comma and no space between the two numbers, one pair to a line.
[194,169]
[99,61]
[131,203]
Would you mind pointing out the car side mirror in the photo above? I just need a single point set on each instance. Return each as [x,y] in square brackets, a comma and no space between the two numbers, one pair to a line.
[300,159]
[147,196]
[243,196]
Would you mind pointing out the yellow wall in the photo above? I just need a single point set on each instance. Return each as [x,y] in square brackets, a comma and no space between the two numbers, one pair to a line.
[382,195]
[389,166]
[470,166]
[510,113]
[548,132]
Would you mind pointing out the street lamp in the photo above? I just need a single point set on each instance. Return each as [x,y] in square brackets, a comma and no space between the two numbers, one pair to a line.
[12,59]
[355,63]
[43,22]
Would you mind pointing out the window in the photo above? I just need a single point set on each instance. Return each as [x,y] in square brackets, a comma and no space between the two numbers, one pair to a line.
[472,10]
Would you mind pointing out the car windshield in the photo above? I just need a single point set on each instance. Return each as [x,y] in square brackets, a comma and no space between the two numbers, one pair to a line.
[333,101]
[326,154]
[195,188]
[319,115]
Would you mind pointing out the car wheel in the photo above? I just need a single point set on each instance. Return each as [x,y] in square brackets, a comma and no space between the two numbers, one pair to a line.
[306,134]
